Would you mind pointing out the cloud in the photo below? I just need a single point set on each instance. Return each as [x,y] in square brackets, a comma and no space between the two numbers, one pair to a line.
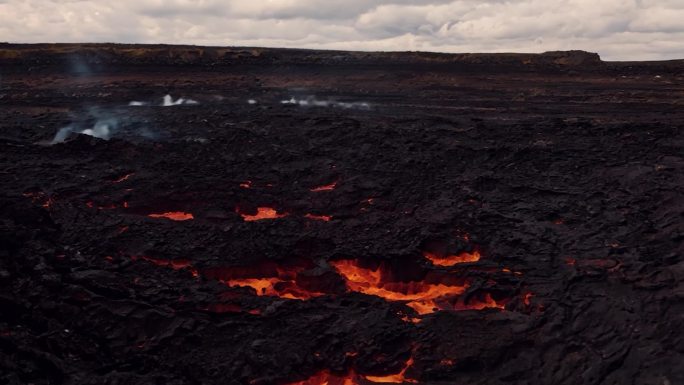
[617,29]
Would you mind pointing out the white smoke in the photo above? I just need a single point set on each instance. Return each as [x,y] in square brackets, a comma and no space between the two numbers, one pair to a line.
[168,101]
[136,104]
[251,101]
[102,129]
[107,124]
[313,102]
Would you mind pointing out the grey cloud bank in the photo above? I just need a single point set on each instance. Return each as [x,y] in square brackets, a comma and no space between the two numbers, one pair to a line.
[616,29]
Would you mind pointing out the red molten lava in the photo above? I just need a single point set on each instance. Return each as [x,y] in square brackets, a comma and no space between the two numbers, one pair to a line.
[327,187]
[450,260]
[261,214]
[398,378]
[266,280]
[174,216]
[423,297]
[246,184]
[325,218]
[175,264]
[479,304]
[326,378]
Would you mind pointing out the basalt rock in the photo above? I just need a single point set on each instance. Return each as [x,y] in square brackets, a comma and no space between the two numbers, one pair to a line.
[339,217]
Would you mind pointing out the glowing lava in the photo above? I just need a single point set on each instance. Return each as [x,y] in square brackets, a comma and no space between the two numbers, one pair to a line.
[175,264]
[261,214]
[423,297]
[327,187]
[398,378]
[526,298]
[265,280]
[326,378]
[477,304]
[174,216]
[325,218]
[451,260]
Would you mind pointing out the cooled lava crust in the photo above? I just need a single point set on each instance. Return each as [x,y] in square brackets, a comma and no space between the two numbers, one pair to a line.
[307,217]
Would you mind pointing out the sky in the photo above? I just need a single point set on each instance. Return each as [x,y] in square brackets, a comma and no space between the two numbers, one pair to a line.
[616,29]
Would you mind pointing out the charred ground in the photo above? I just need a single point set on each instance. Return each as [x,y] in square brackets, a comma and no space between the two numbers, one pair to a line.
[294,239]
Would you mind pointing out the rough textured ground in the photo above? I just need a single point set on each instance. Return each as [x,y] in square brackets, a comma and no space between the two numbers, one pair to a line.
[563,172]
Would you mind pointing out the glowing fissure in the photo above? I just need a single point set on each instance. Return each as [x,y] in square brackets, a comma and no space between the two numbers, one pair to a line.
[325,377]
[424,298]
[398,378]
[451,260]
[261,214]
[324,218]
[327,187]
[175,264]
[479,304]
[173,215]
[273,287]
[265,280]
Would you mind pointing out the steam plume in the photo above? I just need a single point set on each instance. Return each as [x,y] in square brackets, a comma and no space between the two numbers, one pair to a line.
[311,101]
[107,124]
[168,101]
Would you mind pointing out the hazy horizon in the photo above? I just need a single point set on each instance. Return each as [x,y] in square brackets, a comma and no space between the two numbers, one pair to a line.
[618,30]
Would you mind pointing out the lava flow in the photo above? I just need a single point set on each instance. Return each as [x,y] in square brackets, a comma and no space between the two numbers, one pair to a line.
[266,280]
[261,214]
[450,260]
[326,378]
[398,378]
[174,216]
[423,297]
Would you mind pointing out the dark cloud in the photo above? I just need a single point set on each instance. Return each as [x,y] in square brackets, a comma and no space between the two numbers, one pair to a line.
[617,29]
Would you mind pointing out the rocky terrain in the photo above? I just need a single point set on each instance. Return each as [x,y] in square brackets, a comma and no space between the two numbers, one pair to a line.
[202,215]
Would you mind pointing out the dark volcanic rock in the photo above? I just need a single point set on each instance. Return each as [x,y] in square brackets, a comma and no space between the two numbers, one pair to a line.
[295,215]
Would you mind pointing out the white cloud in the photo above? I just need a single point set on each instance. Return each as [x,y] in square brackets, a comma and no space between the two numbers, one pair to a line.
[617,29]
